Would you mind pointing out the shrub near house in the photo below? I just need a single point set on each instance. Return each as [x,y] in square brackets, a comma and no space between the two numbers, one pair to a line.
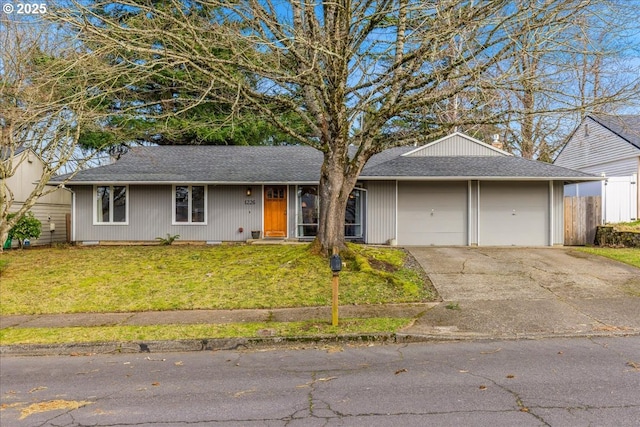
[28,227]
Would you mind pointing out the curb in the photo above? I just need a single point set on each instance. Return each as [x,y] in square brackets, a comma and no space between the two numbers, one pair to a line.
[221,344]
[218,344]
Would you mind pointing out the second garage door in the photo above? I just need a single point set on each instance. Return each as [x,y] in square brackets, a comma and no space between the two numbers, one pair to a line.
[432,213]
[514,213]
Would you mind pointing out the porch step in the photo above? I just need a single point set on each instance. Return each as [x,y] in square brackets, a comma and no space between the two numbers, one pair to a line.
[273,242]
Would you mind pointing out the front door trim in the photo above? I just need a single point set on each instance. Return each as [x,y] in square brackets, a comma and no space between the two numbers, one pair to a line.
[275,225]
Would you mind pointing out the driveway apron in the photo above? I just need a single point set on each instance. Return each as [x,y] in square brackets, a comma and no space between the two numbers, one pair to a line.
[527,291]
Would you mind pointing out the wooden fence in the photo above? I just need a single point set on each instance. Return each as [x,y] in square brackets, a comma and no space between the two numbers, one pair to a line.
[582,215]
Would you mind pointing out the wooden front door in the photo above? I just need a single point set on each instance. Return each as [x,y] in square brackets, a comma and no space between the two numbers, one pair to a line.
[275,211]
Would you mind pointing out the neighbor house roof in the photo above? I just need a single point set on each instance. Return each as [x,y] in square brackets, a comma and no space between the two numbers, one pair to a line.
[5,152]
[626,127]
[301,164]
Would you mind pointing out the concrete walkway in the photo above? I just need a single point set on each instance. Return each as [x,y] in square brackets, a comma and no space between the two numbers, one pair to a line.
[487,293]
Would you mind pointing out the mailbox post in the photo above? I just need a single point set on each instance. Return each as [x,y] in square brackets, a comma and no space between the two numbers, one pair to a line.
[336,265]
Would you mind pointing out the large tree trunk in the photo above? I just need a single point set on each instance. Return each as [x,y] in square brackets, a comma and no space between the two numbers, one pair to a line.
[338,177]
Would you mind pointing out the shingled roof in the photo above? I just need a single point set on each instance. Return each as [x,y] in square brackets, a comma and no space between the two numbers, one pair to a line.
[301,164]
[210,164]
[470,167]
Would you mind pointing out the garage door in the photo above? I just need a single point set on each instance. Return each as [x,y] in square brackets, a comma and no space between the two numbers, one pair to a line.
[514,213]
[432,213]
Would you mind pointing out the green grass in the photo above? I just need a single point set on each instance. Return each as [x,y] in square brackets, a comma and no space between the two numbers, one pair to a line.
[629,256]
[9,336]
[627,226]
[150,278]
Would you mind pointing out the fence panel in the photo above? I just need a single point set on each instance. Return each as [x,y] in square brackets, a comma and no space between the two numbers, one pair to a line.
[581,217]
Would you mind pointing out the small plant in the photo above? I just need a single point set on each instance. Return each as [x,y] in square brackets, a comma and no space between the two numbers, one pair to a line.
[27,227]
[452,306]
[168,240]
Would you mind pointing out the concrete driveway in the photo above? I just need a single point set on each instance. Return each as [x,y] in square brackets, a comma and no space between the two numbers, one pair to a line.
[503,292]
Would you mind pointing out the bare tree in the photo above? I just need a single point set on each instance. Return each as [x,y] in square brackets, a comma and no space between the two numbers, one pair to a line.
[568,71]
[43,105]
[356,73]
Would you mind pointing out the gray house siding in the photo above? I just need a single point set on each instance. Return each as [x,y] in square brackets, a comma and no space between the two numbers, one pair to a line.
[624,167]
[557,215]
[229,211]
[455,145]
[428,213]
[380,211]
[150,215]
[473,187]
[292,211]
[593,148]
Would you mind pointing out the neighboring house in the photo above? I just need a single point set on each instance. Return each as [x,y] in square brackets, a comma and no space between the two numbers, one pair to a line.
[610,147]
[52,209]
[454,191]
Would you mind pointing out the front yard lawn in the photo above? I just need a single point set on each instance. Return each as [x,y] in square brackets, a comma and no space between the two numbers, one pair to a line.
[629,256]
[143,278]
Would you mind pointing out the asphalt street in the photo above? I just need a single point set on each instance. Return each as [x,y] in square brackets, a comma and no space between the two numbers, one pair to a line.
[548,382]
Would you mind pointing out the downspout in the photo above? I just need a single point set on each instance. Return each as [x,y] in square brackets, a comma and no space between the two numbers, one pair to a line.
[396,213]
[637,207]
[469,213]
[551,213]
[603,191]
[73,215]
[478,211]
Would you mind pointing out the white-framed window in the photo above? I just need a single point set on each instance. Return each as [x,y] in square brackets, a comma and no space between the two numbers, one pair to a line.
[190,204]
[111,204]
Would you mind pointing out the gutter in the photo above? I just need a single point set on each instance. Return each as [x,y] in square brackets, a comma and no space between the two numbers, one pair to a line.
[189,182]
[481,178]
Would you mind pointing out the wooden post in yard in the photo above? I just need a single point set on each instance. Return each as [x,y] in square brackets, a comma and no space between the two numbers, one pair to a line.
[336,265]
[334,304]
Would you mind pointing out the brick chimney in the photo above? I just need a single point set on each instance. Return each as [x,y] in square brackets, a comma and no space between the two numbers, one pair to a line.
[496,142]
